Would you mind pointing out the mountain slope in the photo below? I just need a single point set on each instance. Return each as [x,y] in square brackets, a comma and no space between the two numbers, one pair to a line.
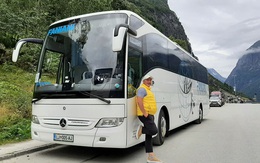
[245,76]
[216,75]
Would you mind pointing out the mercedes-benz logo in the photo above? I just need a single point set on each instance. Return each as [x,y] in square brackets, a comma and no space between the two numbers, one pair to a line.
[63,122]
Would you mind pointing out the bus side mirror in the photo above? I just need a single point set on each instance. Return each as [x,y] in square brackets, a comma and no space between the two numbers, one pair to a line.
[19,45]
[118,40]
[119,35]
[17,50]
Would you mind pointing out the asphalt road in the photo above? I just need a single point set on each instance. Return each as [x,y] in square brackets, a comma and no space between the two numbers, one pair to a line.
[229,134]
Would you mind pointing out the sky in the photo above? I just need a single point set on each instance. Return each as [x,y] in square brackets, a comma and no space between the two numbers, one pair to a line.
[220,31]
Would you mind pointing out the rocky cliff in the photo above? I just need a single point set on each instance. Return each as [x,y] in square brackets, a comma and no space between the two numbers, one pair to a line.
[158,13]
[246,75]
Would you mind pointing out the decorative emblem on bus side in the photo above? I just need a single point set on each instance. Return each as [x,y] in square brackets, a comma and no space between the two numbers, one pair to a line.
[186,85]
[63,122]
[185,97]
[64,108]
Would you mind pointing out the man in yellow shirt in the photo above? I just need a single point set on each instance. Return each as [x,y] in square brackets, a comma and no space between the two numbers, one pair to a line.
[146,108]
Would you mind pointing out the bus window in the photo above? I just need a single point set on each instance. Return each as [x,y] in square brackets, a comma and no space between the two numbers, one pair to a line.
[155,52]
[174,57]
[51,68]
[134,65]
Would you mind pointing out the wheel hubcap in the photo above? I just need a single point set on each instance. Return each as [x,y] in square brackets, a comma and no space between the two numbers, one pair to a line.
[163,126]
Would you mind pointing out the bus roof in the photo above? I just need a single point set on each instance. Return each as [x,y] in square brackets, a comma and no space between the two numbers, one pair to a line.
[93,14]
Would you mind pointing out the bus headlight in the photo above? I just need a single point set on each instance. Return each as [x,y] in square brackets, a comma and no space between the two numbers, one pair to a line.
[109,122]
[35,119]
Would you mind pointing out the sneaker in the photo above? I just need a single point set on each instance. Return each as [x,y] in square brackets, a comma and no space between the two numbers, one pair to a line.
[153,159]
[139,132]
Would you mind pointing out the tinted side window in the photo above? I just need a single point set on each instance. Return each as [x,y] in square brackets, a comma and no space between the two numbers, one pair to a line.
[155,52]
[200,73]
[175,56]
[186,67]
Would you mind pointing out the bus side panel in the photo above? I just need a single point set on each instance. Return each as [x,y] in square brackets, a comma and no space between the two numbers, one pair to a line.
[183,107]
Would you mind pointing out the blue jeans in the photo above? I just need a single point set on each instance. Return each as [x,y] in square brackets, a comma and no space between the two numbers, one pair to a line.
[149,130]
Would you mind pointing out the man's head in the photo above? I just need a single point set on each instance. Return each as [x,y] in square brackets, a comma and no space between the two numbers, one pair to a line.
[147,80]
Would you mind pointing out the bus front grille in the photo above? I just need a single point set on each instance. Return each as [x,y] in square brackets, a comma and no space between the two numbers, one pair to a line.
[67,123]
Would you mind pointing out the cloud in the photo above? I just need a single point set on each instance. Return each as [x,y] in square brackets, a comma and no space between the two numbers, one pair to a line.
[253,50]
[219,31]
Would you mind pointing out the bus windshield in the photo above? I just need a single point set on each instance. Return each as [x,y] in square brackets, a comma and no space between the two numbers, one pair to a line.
[77,59]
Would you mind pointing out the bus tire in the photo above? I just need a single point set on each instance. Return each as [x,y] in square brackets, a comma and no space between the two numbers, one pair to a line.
[199,120]
[162,129]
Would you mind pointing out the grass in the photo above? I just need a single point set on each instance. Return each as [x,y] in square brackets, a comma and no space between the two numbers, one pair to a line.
[16,88]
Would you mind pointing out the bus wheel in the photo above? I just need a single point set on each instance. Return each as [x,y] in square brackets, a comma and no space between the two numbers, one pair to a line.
[162,129]
[199,120]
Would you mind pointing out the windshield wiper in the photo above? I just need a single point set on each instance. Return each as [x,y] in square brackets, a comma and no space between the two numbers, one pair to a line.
[36,99]
[96,96]
[84,93]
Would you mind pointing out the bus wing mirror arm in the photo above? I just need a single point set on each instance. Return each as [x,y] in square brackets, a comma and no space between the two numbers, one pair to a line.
[19,45]
[119,35]
[130,30]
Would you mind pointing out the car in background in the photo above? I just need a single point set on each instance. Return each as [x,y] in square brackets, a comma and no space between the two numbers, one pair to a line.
[220,95]
[215,101]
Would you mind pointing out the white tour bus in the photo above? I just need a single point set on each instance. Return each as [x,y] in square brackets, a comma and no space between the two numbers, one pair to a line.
[88,71]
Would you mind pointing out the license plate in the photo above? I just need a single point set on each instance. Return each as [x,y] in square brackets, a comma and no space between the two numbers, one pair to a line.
[63,137]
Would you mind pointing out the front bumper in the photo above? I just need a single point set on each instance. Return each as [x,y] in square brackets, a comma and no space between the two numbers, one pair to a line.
[114,137]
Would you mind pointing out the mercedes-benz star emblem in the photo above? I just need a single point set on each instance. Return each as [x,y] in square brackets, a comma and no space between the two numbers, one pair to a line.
[63,122]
